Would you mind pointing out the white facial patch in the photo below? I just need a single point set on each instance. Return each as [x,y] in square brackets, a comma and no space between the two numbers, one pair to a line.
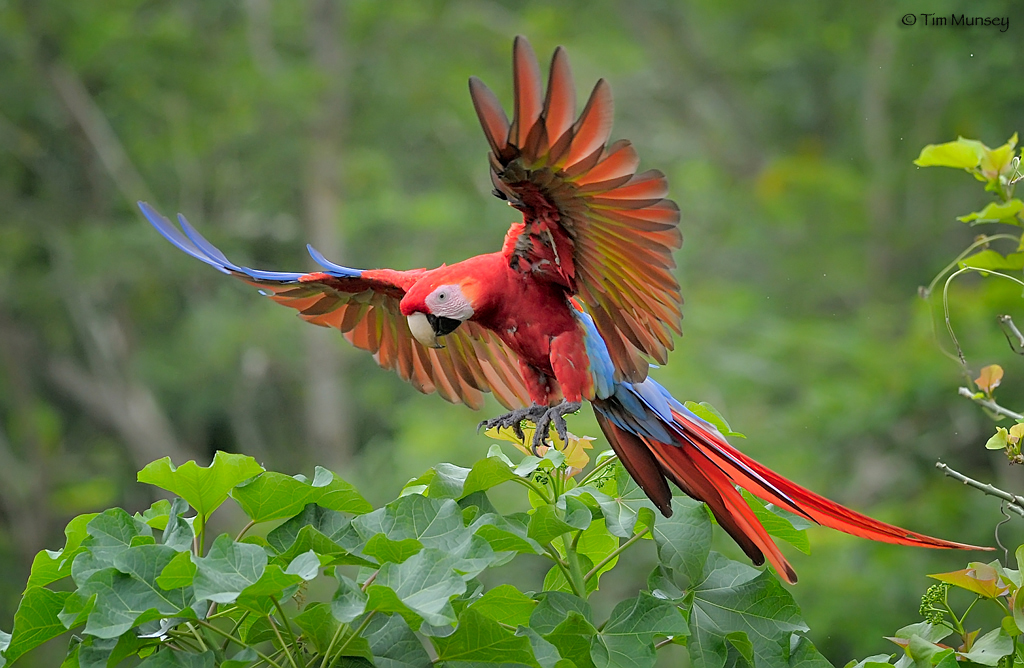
[447,301]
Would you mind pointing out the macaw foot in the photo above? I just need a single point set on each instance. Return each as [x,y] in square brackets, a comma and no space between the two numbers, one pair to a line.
[514,418]
[554,415]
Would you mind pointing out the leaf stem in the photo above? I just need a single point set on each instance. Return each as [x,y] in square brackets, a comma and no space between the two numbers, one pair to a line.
[245,530]
[1013,501]
[572,559]
[277,632]
[980,242]
[587,478]
[238,642]
[619,550]
[989,404]
[538,489]
[241,619]
[357,632]
[198,637]
[284,621]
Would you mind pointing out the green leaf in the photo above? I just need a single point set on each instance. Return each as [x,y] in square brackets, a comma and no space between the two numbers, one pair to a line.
[710,414]
[169,658]
[740,641]
[179,572]
[318,625]
[35,621]
[243,659]
[507,605]
[444,481]
[930,632]
[595,544]
[506,533]
[394,645]
[982,579]
[109,534]
[332,492]
[961,154]
[627,639]
[326,532]
[349,600]
[548,522]
[733,597]
[990,260]
[272,496]
[177,532]
[384,549]
[306,566]
[228,568]
[996,212]
[998,440]
[273,582]
[777,525]
[204,488]
[128,595]
[156,515]
[485,474]
[684,540]
[49,566]
[573,638]
[418,588]
[989,648]
[554,607]
[479,639]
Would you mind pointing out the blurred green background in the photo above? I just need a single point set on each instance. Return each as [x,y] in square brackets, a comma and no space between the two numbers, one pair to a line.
[787,130]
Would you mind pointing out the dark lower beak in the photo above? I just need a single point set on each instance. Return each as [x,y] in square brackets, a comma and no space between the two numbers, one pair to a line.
[441,325]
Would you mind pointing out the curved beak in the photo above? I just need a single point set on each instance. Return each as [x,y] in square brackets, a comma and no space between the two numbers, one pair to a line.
[423,331]
[429,328]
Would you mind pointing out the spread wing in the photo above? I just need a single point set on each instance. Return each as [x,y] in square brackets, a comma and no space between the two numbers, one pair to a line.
[590,222]
[364,306]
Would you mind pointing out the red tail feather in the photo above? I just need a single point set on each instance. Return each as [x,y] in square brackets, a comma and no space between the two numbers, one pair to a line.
[702,464]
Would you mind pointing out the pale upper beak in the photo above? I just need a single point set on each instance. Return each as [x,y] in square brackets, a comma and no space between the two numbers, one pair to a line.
[423,331]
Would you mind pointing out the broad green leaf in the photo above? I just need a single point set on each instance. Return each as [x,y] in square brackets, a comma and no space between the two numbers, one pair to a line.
[443,481]
[103,652]
[998,440]
[684,540]
[128,595]
[507,605]
[318,626]
[930,632]
[243,659]
[506,533]
[742,644]
[619,517]
[228,568]
[205,488]
[926,653]
[349,600]
[486,474]
[479,639]
[778,526]
[990,648]
[394,645]
[272,496]
[627,639]
[179,572]
[332,492]
[156,515]
[710,414]
[732,597]
[435,523]
[177,532]
[874,661]
[382,548]
[423,584]
[325,532]
[168,658]
[49,566]
[555,607]
[990,260]
[35,621]
[961,154]
[996,212]
[109,534]
[996,161]
[306,566]
[573,638]
[273,582]
[548,522]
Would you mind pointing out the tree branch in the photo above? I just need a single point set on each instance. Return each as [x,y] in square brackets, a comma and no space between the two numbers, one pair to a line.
[989,404]
[1013,502]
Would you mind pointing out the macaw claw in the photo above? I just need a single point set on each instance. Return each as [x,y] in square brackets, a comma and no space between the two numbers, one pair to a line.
[542,416]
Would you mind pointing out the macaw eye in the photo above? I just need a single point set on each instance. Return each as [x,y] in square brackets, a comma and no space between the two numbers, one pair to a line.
[441,296]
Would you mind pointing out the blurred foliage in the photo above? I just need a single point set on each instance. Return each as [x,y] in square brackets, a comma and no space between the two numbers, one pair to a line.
[787,131]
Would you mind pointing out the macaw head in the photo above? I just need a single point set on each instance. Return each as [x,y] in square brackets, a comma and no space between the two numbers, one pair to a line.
[436,306]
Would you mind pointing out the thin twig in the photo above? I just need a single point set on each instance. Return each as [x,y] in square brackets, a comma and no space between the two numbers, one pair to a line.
[1009,328]
[280,639]
[1013,502]
[619,550]
[989,404]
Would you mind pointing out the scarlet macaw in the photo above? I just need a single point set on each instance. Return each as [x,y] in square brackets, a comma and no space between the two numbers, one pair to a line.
[580,294]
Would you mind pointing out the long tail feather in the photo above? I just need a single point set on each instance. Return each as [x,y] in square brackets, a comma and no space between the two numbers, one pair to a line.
[657,439]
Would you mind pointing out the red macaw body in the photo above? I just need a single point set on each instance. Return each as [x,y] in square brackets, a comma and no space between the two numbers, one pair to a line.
[570,308]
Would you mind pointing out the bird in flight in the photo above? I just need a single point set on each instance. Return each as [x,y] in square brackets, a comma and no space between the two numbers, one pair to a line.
[570,309]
